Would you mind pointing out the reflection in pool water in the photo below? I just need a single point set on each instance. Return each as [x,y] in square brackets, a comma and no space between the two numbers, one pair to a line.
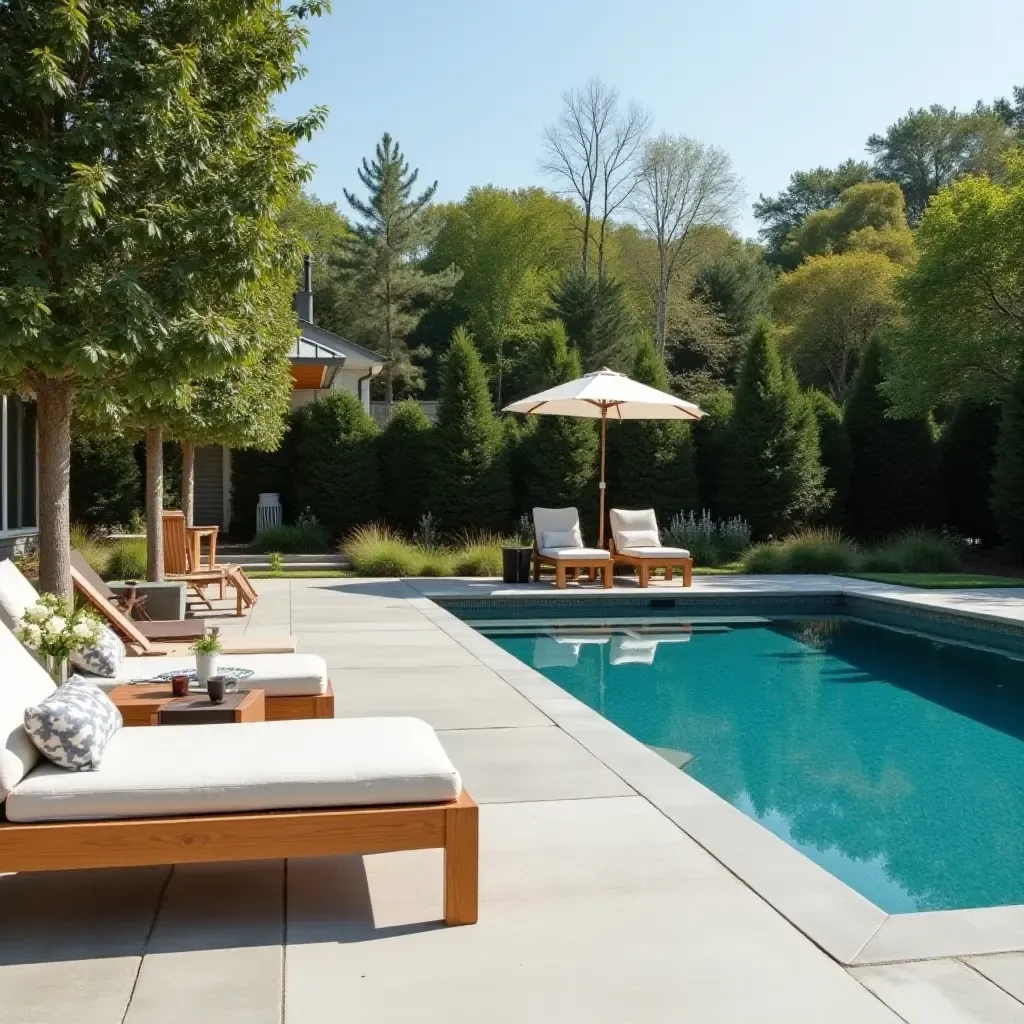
[894,761]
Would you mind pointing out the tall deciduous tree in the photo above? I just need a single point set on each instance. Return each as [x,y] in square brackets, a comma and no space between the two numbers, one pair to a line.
[683,185]
[893,475]
[773,475]
[964,297]
[593,149]
[140,170]
[382,260]
[928,149]
[807,192]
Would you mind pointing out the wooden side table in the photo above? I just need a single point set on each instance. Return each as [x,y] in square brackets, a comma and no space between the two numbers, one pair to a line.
[195,536]
[144,704]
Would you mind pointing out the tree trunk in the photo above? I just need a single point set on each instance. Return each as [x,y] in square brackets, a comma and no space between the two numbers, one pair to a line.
[54,402]
[389,389]
[188,482]
[600,249]
[661,309]
[585,258]
[154,504]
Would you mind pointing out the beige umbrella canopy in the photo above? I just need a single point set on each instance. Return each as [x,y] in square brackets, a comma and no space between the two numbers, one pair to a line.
[606,395]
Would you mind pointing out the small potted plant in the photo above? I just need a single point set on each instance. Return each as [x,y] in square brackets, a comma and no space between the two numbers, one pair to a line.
[52,628]
[206,649]
[518,553]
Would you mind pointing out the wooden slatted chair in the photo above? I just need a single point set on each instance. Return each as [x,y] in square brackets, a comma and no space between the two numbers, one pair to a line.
[178,566]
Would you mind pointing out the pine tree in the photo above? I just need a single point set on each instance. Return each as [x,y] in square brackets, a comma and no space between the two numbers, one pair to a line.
[405,451]
[106,485]
[893,473]
[380,260]
[651,462]
[470,488]
[335,462]
[834,447]
[773,475]
[711,441]
[597,322]
[562,456]
[967,456]
[1008,472]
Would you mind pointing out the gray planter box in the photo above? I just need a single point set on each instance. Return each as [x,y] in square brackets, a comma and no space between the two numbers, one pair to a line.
[163,600]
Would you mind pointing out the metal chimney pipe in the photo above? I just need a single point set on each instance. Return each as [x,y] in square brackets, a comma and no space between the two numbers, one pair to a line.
[304,299]
[307,273]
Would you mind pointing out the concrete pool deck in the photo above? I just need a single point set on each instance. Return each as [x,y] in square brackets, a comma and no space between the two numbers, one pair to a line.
[596,905]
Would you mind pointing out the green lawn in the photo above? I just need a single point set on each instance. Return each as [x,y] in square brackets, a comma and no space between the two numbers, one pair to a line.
[300,574]
[940,580]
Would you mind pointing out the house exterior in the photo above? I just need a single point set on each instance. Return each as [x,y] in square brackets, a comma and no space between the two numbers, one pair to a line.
[321,362]
[19,504]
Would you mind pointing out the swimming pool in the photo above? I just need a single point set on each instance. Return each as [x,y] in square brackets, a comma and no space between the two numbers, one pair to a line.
[893,760]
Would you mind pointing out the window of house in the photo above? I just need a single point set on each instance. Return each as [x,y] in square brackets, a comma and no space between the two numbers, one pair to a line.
[18,476]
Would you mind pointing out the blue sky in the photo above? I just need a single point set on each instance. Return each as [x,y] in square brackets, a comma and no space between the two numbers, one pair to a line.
[466,87]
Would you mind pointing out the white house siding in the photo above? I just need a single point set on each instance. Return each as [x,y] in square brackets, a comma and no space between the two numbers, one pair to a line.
[344,380]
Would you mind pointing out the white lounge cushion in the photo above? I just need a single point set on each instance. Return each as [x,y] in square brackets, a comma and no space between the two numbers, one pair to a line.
[16,594]
[278,675]
[568,553]
[658,552]
[637,539]
[556,520]
[624,520]
[561,539]
[23,683]
[261,766]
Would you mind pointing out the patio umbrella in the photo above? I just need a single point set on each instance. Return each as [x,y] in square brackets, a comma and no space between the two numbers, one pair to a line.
[606,395]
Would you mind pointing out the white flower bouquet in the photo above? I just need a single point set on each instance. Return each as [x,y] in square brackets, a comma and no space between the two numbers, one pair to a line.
[53,628]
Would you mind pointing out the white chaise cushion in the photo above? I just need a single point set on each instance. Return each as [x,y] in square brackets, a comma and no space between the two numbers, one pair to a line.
[557,520]
[16,594]
[23,682]
[628,521]
[637,539]
[260,766]
[561,539]
[567,553]
[656,552]
[278,675]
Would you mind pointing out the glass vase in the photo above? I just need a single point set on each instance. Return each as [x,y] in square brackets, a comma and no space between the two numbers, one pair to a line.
[58,668]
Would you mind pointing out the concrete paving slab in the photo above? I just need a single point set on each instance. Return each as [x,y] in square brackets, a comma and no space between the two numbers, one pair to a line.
[940,992]
[93,991]
[216,953]
[1006,970]
[499,765]
[446,698]
[355,655]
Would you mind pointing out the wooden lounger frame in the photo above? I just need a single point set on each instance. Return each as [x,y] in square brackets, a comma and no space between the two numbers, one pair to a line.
[570,565]
[645,565]
[139,842]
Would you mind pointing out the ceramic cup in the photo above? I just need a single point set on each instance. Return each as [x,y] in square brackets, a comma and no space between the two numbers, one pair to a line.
[215,687]
[179,686]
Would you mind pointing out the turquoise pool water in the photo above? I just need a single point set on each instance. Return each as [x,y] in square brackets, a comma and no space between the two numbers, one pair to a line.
[894,761]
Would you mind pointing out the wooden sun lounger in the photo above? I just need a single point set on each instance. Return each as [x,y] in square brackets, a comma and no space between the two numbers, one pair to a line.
[566,568]
[644,566]
[196,839]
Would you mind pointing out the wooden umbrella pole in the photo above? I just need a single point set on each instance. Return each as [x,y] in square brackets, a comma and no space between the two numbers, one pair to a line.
[604,436]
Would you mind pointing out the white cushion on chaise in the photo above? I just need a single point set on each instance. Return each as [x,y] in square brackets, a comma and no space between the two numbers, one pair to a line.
[278,675]
[659,552]
[16,594]
[588,553]
[632,521]
[260,766]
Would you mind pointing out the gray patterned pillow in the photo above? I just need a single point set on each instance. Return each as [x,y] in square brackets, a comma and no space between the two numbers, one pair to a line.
[73,726]
[102,659]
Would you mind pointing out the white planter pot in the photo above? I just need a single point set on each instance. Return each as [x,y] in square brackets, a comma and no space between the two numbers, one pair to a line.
[206,666]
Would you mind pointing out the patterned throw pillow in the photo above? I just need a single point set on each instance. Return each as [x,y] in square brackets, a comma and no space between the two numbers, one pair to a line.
[73,726]
[102,659]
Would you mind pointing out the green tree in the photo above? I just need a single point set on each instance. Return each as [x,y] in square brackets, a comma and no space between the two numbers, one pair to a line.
[470,488]
[597,322]
[650,462]
[964,297]
[807,192]
[1008,471]
[711,442]
[382,260]
[140,170]
[926,150]
[562,457]
[405,450]
[829,308]
[893,474]
[967,453]
[773,475]
[834,447]
[106,485]
[335,473]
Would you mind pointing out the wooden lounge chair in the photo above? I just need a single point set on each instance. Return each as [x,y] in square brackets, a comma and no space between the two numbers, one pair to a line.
[558,544]
[635,541]
[194,794]
[178,554]
[163,636]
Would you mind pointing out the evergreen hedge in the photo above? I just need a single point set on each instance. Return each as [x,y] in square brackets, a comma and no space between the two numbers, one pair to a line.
[773,475]
[711,446]
[894,470]
[334,470]
[967,458]
[106,484]
[405,451]
[470,486]
[651,462]
[1008,471]
[834,448]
